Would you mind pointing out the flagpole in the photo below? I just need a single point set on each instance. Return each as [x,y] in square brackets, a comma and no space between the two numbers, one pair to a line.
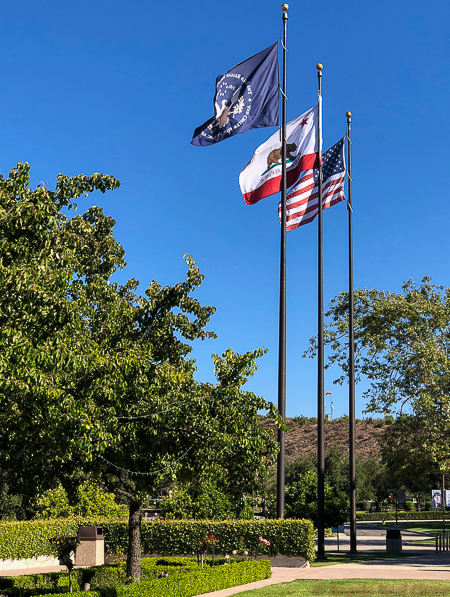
[320,355]
[282,322]
[351,346]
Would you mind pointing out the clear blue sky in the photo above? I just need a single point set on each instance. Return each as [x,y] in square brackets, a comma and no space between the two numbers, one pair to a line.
[118,87]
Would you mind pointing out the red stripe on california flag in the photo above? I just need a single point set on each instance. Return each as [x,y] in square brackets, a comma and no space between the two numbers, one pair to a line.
[273,185]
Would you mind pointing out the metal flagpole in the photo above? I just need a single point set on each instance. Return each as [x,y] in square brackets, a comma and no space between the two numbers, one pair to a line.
[351,347]
[320,356]
[282,323]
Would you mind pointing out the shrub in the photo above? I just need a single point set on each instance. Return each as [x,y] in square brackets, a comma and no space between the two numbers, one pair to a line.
[185,579]
[377,423]
[93,500]
[197,581]
[413,515]
[301,419]
[27,539]
[54,503]
[207,502]
[409,506]
[167,537]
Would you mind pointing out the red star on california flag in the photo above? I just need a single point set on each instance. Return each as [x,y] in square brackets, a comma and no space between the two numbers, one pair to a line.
[305,121]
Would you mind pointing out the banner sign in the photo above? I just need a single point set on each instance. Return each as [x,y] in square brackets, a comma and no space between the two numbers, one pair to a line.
[436,502]
[436,498]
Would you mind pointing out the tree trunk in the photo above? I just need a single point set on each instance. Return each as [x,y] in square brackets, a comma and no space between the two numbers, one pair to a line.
[134,543]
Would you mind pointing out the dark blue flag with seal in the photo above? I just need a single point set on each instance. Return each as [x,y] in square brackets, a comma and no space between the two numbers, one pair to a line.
[246,98]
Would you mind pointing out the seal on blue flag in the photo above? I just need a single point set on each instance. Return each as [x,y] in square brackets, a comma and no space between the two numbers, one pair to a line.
[246,98]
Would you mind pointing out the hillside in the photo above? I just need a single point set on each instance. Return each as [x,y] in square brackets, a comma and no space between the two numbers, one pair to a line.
[302,436]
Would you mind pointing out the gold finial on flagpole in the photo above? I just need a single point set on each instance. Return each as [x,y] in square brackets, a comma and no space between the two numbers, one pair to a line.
[348,114]
[319,66]
[284,7]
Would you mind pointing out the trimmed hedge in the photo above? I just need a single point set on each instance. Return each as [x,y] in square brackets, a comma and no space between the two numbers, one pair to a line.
[185,579]
[434,515]
[99,577]
[30,538]
[196,582]
[204,580]
[287,537]
[27,539]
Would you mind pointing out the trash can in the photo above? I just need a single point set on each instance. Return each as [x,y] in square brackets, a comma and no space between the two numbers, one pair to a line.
[393,541]
[91,551]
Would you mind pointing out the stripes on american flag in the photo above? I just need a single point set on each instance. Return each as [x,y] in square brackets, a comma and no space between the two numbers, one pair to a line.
[302,200]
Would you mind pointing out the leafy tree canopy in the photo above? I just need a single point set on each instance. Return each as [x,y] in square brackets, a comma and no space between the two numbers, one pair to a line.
[402,346]
[96,379]
[301,501]
[90,500]
[212,500]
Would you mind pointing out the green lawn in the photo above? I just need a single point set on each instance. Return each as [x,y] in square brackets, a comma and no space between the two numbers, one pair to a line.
[361,586]
[424,526]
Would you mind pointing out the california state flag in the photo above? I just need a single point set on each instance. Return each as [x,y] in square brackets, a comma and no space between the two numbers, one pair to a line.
[261,177]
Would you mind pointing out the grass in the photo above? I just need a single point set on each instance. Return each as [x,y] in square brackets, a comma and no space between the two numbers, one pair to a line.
[423,526]
[361,586]
[425,541]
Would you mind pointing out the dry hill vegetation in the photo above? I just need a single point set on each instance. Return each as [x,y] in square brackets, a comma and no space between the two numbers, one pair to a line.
[301,440]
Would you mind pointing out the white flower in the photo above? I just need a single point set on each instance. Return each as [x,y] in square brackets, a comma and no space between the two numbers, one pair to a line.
[227,556]
[234,552]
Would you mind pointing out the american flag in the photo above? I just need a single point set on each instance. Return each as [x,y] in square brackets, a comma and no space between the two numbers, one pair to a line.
[302,203]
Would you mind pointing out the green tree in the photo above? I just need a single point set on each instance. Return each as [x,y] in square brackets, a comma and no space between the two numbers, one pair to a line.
[11,505]
[54,503]
[212,501]
[301,501]
[372,481]
[300,465]
[95,379]
[88,500]
[92,500]
[337,469]
[402,347]
[412,467]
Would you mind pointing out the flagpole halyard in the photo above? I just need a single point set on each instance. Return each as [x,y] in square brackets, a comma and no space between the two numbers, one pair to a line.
[351,346]
[282,320]
[320,353]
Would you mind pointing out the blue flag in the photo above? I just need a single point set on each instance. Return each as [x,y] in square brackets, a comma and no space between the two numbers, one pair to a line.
[246,98]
